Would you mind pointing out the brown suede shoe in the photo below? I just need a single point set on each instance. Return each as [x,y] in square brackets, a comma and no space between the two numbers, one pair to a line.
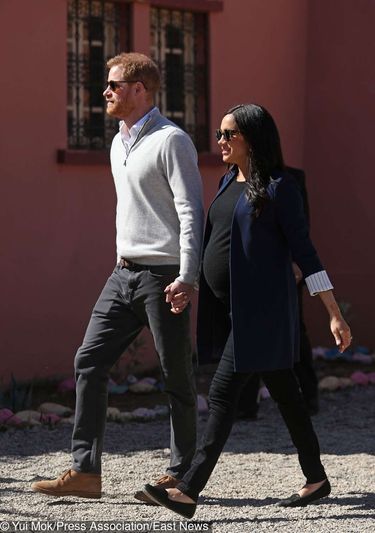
[164,482]
[71,483]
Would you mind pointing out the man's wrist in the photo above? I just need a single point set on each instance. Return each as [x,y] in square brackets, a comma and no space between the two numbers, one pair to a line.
[186,281]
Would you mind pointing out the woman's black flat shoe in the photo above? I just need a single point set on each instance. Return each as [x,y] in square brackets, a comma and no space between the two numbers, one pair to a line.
[160,496]
[296,500]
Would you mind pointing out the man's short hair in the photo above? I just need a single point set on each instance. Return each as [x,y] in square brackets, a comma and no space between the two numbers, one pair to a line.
[137,67]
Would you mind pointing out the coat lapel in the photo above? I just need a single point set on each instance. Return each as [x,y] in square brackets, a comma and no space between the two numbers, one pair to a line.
[226,180]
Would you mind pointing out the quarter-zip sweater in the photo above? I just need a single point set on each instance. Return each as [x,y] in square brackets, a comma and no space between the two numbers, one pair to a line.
[159,218]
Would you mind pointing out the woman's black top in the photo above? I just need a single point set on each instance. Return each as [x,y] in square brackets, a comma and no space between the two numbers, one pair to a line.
[216,254]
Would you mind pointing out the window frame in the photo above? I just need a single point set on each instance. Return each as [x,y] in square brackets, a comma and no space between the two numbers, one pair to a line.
[97,29]
[71,156]
[184,94]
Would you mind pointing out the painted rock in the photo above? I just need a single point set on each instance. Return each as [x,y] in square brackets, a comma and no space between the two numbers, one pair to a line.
[142,413]
[362,358]
[330,383]
[8,418]
[55,409]
[125,416]
[32,418]
[113,414]
[69,420]
[142,387]
[113,388]
[161,410]
[67,385]
[5,414]
[359,378]
[50,418]
[319,351]
[345,382]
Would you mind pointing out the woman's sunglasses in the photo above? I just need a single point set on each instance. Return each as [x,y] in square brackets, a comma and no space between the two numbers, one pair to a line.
[227,134]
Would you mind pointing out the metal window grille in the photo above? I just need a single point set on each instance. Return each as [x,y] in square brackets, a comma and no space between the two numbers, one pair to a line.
[179,47]
[95,33]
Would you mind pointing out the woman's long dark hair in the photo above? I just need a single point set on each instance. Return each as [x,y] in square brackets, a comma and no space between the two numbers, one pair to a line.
[265,155]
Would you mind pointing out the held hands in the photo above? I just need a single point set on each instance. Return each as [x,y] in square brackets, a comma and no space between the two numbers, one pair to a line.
[178,294]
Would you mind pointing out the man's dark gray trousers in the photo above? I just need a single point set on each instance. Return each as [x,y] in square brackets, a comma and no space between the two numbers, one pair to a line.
[129,301]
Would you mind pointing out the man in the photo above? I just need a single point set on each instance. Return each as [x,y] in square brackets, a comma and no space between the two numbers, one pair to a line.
[159,231]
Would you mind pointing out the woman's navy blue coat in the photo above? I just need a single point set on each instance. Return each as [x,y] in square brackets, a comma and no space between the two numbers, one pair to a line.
[263,295]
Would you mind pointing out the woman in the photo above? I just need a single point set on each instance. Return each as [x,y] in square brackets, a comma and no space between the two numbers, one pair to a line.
[248,310]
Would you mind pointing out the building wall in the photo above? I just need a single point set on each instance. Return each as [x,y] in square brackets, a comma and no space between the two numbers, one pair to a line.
[339,137]
[57,230]
[258,54]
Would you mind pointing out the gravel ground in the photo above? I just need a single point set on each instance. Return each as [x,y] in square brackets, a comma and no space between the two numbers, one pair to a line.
[259,466]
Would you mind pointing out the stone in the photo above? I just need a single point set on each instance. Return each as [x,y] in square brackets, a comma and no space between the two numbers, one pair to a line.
[161,410]
[113,414]
[8,418]
[114,388]
[142,387]
[151,381]
[142,413]
[32,418]
[126,416]
[362,358]
[50,419]
[5,414]
[319,351]
[67,385]
[359,378]
[55,409]
[69,420]
[345,382]
[329,383]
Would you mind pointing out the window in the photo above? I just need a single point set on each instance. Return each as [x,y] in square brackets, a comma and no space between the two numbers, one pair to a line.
[97,30]
[179,47]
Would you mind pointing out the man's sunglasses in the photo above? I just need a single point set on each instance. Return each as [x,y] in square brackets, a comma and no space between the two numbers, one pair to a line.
[113,85]
[227,134]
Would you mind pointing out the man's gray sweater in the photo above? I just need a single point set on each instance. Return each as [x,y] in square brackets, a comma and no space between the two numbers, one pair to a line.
[159,217]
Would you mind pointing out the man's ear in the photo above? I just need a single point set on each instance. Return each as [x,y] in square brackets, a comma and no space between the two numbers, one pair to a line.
[139,87]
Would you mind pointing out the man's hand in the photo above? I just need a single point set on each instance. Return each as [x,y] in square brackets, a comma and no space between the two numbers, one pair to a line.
[178,294]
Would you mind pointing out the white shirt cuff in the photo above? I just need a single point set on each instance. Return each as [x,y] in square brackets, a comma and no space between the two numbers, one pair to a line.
[318,282]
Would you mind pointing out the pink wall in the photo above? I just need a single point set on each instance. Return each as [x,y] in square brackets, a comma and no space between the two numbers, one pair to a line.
[258,54]
[340,133]
[57,231]
[57,226]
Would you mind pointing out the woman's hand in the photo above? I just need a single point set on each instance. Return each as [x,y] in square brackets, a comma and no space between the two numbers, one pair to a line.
[341,332]
[297,272]
[340,329]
